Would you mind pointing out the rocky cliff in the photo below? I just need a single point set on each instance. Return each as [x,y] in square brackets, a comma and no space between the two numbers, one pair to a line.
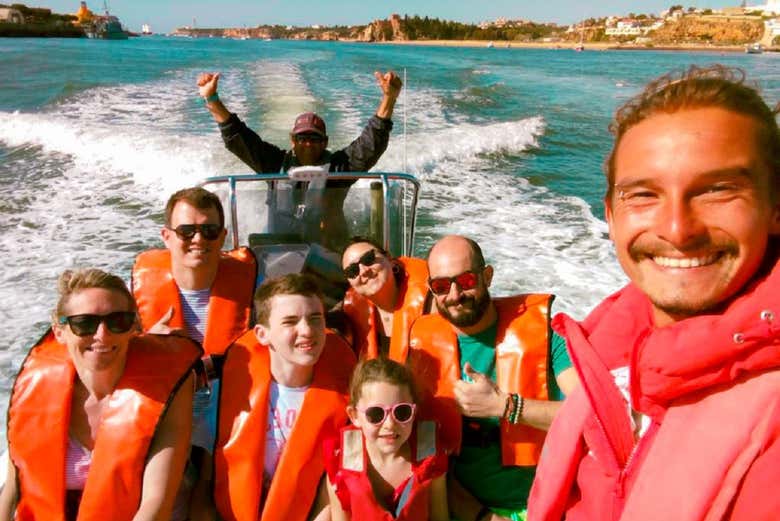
[715,30]
[383,31]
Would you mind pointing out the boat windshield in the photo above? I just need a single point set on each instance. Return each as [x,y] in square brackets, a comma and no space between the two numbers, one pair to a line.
[303,226]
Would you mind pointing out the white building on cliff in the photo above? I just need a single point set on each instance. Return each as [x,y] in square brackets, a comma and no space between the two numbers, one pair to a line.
[771,7]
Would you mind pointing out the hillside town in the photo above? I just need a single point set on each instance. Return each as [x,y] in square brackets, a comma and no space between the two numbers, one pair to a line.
[677,26]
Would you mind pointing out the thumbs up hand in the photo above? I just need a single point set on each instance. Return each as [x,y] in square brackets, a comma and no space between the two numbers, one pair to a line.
[479,398]
[162,326]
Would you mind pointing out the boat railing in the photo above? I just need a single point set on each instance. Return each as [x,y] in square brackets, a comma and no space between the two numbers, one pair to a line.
[293,225]
[389,203]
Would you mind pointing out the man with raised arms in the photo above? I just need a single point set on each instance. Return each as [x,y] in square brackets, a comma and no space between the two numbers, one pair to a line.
[284,390]
[308,147]
[308,138]
[495,362]
[678,416]
[195,288]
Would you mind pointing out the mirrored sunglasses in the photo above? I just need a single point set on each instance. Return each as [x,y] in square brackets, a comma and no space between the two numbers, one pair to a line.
[186,232]
[87,324]
[465,281]
[402,413]
[367,259]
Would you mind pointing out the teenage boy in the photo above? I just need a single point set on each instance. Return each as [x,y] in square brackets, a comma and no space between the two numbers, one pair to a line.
[284,389]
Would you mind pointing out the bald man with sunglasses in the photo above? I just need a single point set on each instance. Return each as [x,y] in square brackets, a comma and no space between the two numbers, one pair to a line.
[494,372]
[193,288]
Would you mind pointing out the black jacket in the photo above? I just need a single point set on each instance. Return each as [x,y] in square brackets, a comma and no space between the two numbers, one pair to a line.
[263,157]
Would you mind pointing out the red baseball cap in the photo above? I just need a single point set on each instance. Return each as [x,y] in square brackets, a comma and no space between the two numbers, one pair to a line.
[309,122]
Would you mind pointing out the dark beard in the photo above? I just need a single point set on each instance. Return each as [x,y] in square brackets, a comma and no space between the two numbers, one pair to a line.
[474,310]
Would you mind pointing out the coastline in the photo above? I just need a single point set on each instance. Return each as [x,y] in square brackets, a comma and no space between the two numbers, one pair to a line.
[589,46]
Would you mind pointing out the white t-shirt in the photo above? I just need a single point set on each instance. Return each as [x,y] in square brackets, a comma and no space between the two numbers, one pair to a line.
[284,404]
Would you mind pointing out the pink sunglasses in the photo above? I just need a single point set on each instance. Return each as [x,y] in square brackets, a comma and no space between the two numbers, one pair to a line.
[402,413]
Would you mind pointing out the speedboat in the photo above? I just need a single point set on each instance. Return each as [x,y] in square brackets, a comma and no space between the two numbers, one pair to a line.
[301,221]
[754,48]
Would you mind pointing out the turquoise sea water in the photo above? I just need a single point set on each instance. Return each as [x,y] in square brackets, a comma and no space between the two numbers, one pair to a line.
[94,136]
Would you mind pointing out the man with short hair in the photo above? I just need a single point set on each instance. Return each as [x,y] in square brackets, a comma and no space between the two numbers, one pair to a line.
[308,138]
[285,389]
[678,416]
[193,287]
[192,280]
[494,361]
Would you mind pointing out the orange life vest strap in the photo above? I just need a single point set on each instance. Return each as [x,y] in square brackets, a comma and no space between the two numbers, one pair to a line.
[39,418]
[230,299]
[243,421]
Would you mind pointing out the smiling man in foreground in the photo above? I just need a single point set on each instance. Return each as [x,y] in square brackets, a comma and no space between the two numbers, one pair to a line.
[678,416]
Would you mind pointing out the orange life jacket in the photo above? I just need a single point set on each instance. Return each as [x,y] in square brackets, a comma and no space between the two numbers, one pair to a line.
[243,423]
[348,471]
[39,418]
[522,347]
[410,305]
[230,300]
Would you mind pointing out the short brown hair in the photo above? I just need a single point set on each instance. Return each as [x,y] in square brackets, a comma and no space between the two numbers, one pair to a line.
[198,197]
[291,284]
[73,281]
[699,87]
[380,370]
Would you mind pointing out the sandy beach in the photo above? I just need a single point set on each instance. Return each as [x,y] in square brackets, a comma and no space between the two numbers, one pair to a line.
[589,46]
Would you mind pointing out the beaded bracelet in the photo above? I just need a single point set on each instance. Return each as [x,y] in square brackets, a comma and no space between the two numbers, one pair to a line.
[513,408]
[519,411]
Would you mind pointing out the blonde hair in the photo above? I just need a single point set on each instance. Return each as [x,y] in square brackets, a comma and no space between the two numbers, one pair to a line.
[73,281]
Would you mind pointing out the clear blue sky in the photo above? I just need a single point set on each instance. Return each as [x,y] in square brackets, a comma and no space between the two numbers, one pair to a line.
[165,15]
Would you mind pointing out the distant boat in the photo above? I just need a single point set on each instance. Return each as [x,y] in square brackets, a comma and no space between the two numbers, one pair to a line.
[146,30]
[754,48]
[490,45]
[106,27]
[581,46]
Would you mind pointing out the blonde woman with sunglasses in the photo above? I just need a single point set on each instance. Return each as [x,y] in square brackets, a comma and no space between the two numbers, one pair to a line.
[385,297]
[100,416]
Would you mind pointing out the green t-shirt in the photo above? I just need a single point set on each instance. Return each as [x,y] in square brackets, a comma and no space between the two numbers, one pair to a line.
[479,469]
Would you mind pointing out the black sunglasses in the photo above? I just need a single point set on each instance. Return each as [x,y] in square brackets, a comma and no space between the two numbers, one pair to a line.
[87,324]
[367,259]
[186,232]
[311,138]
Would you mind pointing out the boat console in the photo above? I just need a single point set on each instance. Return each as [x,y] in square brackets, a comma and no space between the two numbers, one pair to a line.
[301,221]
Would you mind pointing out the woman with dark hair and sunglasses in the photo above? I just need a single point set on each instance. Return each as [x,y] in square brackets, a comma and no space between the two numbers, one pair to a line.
[385,297]
[99,419]
[386,466]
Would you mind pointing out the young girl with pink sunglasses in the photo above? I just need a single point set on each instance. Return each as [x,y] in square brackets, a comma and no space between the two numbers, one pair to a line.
[387,465]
